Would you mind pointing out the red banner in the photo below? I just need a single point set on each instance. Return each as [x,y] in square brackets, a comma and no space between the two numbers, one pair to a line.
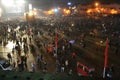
[106,55]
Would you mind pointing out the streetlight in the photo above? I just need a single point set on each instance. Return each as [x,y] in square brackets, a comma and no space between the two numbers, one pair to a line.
[69,3]
[96,4]
[55,10]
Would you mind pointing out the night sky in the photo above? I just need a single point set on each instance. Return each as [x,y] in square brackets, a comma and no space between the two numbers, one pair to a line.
[47,4]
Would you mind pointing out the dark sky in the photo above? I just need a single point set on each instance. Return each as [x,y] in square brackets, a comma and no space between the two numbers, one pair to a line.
[47,4]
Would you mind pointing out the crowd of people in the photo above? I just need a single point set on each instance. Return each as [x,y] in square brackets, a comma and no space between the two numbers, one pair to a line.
[62,35]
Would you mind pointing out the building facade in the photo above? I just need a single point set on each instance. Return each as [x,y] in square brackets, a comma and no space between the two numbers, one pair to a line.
[98,9]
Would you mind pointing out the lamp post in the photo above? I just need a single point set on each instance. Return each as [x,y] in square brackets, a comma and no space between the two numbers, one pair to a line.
[69,5]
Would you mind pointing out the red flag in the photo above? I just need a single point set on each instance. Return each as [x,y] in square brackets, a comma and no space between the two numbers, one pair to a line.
[106,55]
[106,58]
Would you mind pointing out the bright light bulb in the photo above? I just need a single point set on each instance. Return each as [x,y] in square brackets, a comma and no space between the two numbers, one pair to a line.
[69,3]
[55,10]
[7,2]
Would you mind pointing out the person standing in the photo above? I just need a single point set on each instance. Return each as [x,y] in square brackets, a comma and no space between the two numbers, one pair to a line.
[9,57]
[33,66]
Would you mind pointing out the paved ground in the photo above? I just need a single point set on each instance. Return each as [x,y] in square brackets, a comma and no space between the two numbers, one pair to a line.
[91,55]
[4,50]
[31,58]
